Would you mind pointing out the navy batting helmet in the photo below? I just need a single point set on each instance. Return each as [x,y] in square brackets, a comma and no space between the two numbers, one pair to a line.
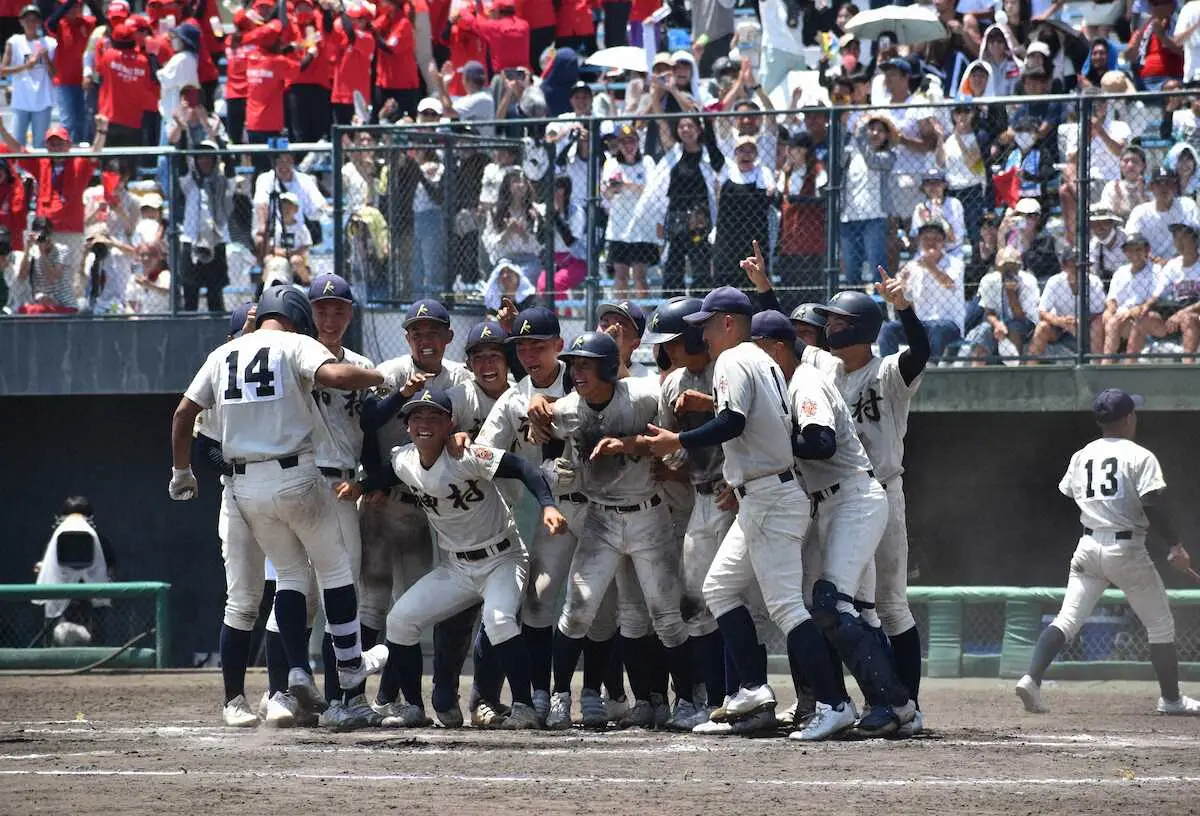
[668,324]
[807,313]
[598,346]
[289,303]
[861,311]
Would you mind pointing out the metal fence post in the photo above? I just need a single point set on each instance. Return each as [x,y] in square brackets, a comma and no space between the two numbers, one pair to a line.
[592,284]
[449,209]
[162,627]
[833,203]
[175,218]
[1083,198]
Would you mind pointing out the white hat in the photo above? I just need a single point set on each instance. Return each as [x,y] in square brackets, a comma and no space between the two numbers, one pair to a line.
[1038,47]
[290,198]
[432,105]
[151,200]
[1029,206]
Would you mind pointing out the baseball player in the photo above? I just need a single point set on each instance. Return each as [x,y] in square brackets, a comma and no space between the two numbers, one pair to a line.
[397,545]
[626,323]
[708,522]
[753,425]
[850,514]
[601,421]
[486,558]
[809,325]
[260,385]
[1119,488]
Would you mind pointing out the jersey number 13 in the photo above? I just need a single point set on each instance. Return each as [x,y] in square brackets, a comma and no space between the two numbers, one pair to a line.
[260,381]
[1105,480]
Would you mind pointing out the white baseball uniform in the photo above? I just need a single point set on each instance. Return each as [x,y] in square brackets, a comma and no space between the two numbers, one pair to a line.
[486,559]
[765,539]
[625,516]
[1108,479]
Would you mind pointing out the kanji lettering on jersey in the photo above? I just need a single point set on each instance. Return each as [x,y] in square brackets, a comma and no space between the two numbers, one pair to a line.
[867,406]
[462,498]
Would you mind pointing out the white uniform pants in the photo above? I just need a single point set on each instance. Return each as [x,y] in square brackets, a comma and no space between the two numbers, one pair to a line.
[1100,559]
[607,538]
[706,528]
[397,549]
[850,525]
[244,567]
[891,565]
[455,585]
[763,544]
[549,564]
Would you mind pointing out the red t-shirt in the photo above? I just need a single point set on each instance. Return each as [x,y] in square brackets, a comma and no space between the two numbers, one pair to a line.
[439,17]
[60,186]
[464,47]
[397,69]
[267,75]
[14,209]
[11,8]
[236,86]
[319,70]
[352,70]
[159,46]
[642,9]
[575,19]
[123,79]
[72,36]
[507,37]
[538,13]
[1160,62]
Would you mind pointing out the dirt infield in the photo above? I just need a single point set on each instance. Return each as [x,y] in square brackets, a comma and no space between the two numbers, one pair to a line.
[153,744]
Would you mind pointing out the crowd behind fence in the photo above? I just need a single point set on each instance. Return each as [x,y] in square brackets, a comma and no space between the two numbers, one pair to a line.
[988,209]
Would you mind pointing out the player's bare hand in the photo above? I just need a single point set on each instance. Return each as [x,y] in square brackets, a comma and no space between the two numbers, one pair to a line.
[555,522]
[662,472]
[541,409]
[755,267]
[1179,559]
[692,401]
[661,441]
[376,498]
[608,446]
[183,484]
[456,443]
[726,498]
[347,491]
[507,314]
[413,384]
[892,289]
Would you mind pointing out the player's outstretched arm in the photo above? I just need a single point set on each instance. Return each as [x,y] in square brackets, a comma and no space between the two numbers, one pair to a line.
[347,377]
[514,467]
[621,446]
[183,483]
[915,357]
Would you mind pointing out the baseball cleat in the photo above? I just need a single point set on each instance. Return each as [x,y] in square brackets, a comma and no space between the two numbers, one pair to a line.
[750,701]
[882,720]
[402,715]
[450,718]
[541,704]
[237,713]
[593,710]
[616,708]
[798,713]
[281,711]
[521,717]
[1184,706]
[826,721]
[913,727]
[485,715]
[357,713]
[304,689]
[559,717]
[1031,695]
[721,713]
[641,715]
[684,717]
[662,710]
[762,721]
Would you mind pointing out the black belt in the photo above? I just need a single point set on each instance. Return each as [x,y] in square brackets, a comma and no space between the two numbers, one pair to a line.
[1120,535]
[573,498]
[285,463]
[707,488]
[337,473]
[483,552]
[633,508]
[784,478]
[819,496]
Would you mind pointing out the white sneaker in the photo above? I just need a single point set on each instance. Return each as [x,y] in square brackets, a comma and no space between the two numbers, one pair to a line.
[826,721]
[304,689]
[281,711]
[373,661]
[559,717]
[750,701]
[262,705]
[237,713]
[1184,706]
[684,717]
[641,715]
[913,727]
[662,710]
[402,715]
[521,717]
[616,708]
[592,709]
[762,721]
[485,716]
[1031,695]
[541,704]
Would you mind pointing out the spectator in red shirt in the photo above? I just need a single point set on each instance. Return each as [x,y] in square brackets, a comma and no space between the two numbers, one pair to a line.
[1152,49]
[269,68]
[203,14]
[506,34]
[465,46]
[139,24]
[308,95]
[542,21]
[14,207]
[125,94]
[576,28]
[71,27]
[396,74]
[355,48]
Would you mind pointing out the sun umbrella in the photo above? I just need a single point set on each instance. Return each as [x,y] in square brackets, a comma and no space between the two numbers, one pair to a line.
[624,57]
[910,24]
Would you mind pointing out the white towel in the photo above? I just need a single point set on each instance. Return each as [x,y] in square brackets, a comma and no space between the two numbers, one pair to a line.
[53,572]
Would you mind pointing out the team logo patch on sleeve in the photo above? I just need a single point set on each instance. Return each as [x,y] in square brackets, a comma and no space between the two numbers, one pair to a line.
[808,408]
[481,453]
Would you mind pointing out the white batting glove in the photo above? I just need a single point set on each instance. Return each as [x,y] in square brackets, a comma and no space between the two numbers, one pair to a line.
[183,484]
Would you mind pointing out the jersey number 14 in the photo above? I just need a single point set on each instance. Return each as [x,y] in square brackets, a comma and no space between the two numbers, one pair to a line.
[257,382]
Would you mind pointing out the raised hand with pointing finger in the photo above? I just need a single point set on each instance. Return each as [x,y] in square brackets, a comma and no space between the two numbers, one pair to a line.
[892,289]
[755,267]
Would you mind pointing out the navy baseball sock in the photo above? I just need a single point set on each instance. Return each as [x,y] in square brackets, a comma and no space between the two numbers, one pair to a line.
[566,658]
[402,674]
[1047,648]
[489,677]
[235,654]
[708,652]
[906,651]
[539,640]
[451,642]
[290,614]
[1165,659]
[809,661]
[277,663]
[678,661]
[341,614]
[514,657]
[656,665]
[737,627]
[599,658]
[839,673]
[368,636]
[733,680]
[333,689]
[636,665]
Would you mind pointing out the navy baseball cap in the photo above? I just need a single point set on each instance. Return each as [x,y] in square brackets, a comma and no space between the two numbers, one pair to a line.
[237,318]
[625,308]
[329,287]
[772,325]
[536,323]
[900,64]
[486,333]
[427,309]
[724,300]
[428,398]
[1113,405]
[806,313]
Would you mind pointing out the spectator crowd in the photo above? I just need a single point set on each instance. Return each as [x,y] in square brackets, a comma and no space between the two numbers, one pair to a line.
[950,153]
